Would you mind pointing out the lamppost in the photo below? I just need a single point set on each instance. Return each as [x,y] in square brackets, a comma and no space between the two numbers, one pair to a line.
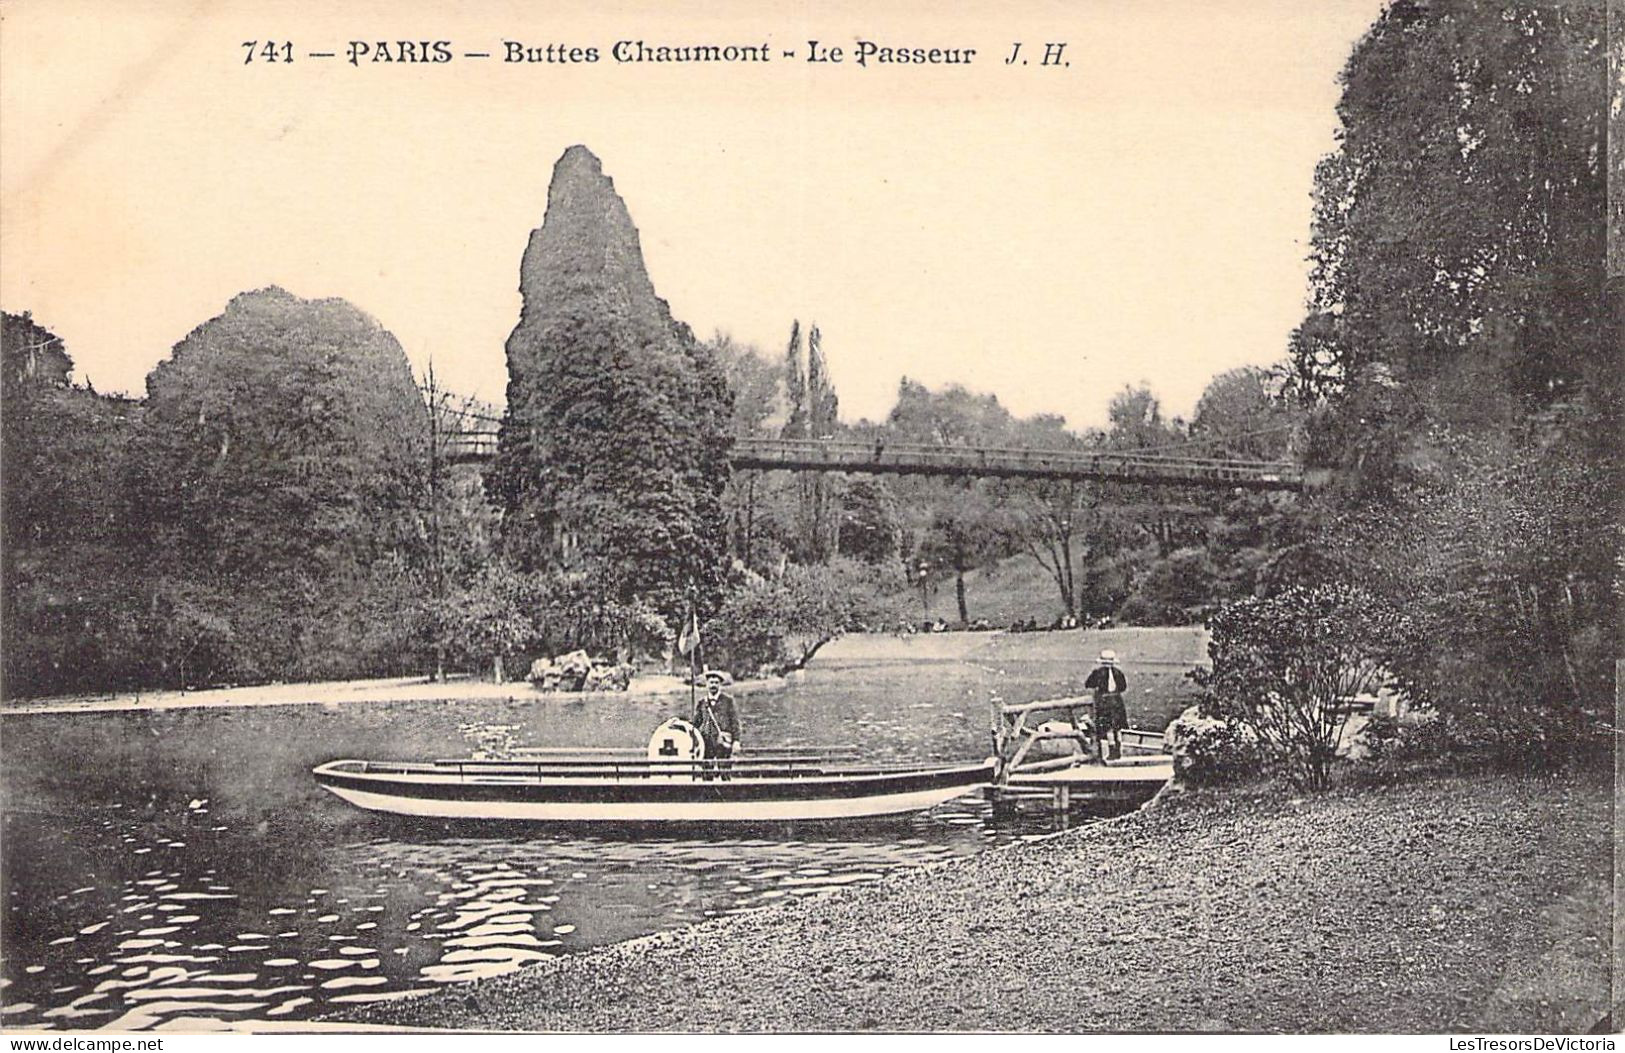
[925,606]
[1068,590]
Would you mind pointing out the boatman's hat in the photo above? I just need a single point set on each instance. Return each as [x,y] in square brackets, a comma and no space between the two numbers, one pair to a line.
[1108,655]
[715,676]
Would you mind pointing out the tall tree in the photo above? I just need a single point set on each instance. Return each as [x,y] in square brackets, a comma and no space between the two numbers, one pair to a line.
[1244,414]
[957,525]
[823,406]
[1458,240]
[760,506]
[613,451]
[66,562]
[1458,328]
[824,492]
[813,410]
[1054,517]
[799,423]
[280,470]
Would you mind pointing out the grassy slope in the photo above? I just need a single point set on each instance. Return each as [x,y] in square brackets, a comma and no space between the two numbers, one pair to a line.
[1447,904]
[1015,588]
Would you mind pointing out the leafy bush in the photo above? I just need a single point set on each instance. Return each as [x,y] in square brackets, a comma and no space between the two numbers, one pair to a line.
[1209,750]
[1508,560]
[1417,735]
[578,611]
[1283,668]
[780,623]
[504,612]
[1176,590]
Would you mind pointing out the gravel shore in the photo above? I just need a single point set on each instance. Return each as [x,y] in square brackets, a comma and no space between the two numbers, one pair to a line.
[1467,903]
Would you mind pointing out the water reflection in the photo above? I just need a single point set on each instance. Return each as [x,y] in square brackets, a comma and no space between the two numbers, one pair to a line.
[177,868]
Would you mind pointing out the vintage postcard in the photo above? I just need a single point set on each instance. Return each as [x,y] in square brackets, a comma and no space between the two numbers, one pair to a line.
[1083,517]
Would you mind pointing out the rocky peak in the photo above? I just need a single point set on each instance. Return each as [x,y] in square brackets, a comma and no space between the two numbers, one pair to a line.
[586,243]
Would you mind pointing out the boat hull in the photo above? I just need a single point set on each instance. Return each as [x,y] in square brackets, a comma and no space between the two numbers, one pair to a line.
[661,798]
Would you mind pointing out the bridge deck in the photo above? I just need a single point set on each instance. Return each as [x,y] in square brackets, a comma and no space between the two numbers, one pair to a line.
[838,455]
[919,459]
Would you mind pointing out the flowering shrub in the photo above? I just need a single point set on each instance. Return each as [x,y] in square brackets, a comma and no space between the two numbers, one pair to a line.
[1418,734]
[1285,666]
[1209,750]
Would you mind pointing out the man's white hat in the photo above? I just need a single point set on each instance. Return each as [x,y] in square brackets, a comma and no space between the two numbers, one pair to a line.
[1108,655]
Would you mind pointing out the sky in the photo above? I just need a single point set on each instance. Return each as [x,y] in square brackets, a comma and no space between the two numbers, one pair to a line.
[1048,234]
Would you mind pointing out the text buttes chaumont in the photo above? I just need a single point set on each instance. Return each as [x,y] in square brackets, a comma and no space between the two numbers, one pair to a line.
[862,53]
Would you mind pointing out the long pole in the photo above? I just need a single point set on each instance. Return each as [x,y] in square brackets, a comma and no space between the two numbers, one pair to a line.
[693,653]
[434,529]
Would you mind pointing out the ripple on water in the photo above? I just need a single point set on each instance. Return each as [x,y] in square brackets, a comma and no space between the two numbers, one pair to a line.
[330,964]
[338,983]
[447,905]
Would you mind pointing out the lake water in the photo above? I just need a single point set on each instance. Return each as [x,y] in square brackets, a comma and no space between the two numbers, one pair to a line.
[181,868]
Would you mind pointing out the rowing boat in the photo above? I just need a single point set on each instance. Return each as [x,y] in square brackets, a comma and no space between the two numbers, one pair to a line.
[611,788]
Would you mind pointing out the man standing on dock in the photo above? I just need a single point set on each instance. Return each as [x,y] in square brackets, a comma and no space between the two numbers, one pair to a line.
[1111,715]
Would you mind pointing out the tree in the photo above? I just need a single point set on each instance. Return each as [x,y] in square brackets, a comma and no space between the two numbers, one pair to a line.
[761,402]
[824,491]
[492,616]
[1182,588]
[34,357]
[462,524]
[813,412]
[279,462]
[1053,517]
[798,422]
[1458,237]
[963,535]
[1461,358]
[761,506]
[823,407]
[613,450]
[67,562]
[957,524]
[36,368]
[1286,667]
[871,528]
[1243,414]
[781,623]
[1519,642]
[577,613]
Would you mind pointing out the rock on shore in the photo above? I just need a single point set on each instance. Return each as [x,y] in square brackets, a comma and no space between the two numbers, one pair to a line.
[1450,904]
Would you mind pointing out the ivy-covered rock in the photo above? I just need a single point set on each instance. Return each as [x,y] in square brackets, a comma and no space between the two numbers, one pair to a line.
[613,451]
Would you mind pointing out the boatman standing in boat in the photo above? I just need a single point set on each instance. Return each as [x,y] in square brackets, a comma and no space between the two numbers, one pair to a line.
[716,717]
[1111,716]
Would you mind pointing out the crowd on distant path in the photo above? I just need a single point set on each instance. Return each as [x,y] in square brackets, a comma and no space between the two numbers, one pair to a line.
[1030,625]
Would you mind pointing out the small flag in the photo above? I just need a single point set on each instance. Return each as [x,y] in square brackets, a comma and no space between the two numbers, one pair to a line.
[690,636]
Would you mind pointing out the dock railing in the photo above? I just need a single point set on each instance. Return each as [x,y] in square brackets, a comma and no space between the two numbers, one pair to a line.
[1016,731]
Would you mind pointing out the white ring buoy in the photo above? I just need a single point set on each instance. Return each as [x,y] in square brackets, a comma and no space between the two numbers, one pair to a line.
[676,739]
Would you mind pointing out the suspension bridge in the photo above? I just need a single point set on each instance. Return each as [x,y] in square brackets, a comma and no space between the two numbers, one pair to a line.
[478,444]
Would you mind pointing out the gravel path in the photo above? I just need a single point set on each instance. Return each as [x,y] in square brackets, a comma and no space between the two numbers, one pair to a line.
[1449,904]
[355,692]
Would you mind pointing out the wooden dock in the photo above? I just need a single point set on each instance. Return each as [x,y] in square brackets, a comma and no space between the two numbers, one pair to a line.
[1128,780]
[1082,775]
